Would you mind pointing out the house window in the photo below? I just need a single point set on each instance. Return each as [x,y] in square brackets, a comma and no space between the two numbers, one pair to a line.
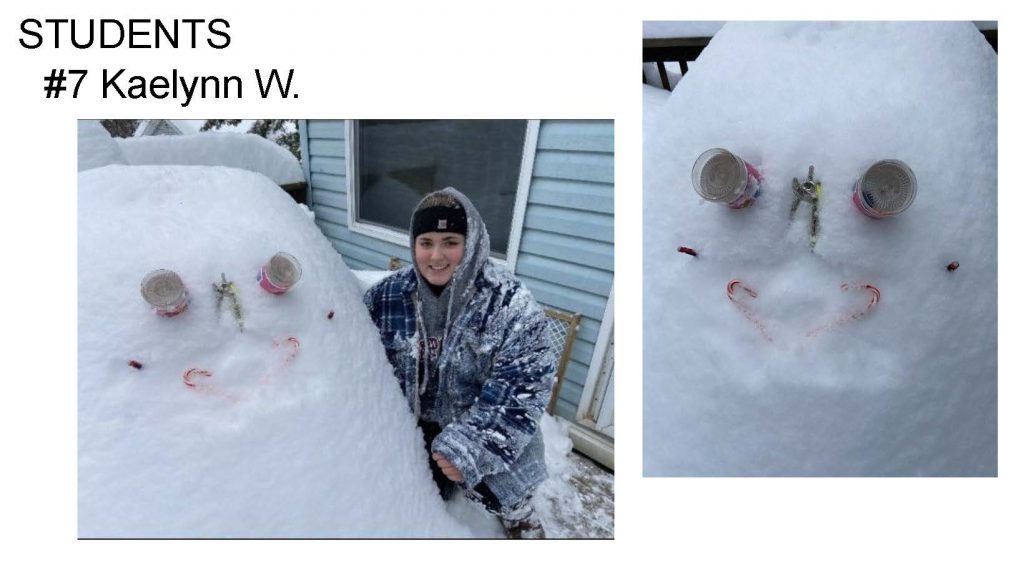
[398,162]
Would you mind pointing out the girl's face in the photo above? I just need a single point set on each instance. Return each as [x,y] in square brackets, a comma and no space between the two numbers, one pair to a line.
[438,254]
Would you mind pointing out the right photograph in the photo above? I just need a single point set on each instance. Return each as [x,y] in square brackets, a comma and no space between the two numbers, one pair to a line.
[820,249]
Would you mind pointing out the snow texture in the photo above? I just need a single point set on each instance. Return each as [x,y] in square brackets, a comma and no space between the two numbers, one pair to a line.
[96,148]
[318,445]
[245,151]
[909,388]
[693,29]
[576,499]
[708,28]
[654,101]
[367,278]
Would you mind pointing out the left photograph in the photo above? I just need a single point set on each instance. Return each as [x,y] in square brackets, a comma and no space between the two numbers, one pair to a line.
[345,329]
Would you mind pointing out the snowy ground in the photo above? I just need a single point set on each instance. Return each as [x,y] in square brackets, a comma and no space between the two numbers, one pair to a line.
[576,501]
[590,512]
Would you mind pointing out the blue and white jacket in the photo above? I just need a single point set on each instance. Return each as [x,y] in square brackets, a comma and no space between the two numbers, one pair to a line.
[495,370]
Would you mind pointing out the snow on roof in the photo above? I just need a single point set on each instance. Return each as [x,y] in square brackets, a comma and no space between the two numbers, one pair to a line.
[96,147]
[163,128]
[700,29]
[194,126]
[671,29]
[245,151]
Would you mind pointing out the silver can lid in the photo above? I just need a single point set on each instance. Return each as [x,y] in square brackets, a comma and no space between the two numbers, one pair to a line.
[889,186]
[283,270]
[719,176]
[163,289]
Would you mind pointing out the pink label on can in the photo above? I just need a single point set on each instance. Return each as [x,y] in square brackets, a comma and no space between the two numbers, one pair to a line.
[753,171]
[170,312]
[267,285]
[752,190]
[858,201]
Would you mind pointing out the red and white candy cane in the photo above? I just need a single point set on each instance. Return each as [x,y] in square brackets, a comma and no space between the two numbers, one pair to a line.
[734,285]
[730,289]
[876,297]
[272,373]
[193,373]
[190,380]
[294,342]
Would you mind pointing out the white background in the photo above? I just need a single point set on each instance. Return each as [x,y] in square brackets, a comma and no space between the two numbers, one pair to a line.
[550,59]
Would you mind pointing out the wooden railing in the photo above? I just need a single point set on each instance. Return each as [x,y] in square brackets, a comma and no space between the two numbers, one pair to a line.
[680,50]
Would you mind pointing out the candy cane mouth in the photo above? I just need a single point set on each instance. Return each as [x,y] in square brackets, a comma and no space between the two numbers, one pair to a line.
[739,293]
[202,380]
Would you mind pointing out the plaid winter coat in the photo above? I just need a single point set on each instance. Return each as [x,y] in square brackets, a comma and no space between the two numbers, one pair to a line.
[495,373]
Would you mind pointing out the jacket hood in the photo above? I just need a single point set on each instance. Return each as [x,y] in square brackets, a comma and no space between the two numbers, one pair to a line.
[478,250]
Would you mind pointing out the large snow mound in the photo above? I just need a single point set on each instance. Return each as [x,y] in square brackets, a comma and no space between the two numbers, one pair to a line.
[274,442]
[909,388]
[245,151]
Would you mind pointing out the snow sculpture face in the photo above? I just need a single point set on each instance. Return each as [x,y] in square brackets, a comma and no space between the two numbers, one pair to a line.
[863,355]
[249,413]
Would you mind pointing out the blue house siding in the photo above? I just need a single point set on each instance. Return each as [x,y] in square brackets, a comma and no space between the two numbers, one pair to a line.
[566,256]
[566,251]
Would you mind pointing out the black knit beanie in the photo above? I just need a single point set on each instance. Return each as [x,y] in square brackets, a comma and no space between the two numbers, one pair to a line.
[439,219]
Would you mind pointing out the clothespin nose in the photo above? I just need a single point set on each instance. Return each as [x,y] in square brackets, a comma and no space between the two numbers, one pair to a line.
[807,191]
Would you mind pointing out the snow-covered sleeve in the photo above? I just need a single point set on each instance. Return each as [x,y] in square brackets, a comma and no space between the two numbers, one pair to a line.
[379,299]
[493,433]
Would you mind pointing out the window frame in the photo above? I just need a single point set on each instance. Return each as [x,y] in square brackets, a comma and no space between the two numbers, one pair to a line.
[391,236]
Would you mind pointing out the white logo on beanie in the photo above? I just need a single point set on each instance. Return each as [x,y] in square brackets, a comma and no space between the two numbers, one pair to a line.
[442,224]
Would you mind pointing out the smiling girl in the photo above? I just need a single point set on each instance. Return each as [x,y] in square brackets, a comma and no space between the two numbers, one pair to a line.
[470,348]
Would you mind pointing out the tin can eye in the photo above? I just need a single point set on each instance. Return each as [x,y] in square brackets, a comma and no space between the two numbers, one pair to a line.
[165,292]
[720,176]
[886,189]
[280,273]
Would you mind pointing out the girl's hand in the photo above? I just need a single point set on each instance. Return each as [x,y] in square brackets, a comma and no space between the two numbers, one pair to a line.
[450,471]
